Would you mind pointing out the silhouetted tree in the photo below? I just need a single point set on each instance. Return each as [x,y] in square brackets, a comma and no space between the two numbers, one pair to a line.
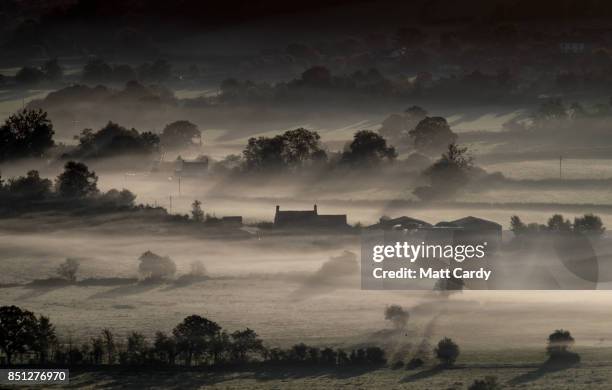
[29,133]
[158,71]
[45,338]
[97,350]
[292,149]
[557,223]
[97,71]
[18,330]
[328,357]
[368,148]
[123,73]
[136,348]
[30,187]
[245,342]
[196,211]
[77,181]
[517,226]
[551,109]
[375,356]
[559,342]
[194,336]
[298,352]
[301,146]
[432,135]
[181,134]
[52,70]
[589,224]
[316,77]
[488,383]
[29,76]
[113,140]
[447,175]
[165,348]
[447,351]
[123,198]
[109,345]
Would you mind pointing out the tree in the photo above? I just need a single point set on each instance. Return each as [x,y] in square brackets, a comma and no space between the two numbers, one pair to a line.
[45,338]
[68,269]
[165,347]
[155,267]
[245,342]
[409,36]
[114,139]
[29,133]
[448,174]
[301,146]
[158,71]
[316,77]
[30,187]
[328,357]
[298,352]
[196,211]
[589,224]
[97,350]
[181,134]
[123,198]
[559,345]
[109,344]
[397,315]
[375,355]
[517,226]
[18,330]
[136,348]
[29,76]
[194,336]
[488,383]
[52,70]
[447,351]
[557,223]
[416,113]
[123,73]
[292,149]
[368,148]
[551,109]
[77,181]
[97,71]
[432,135]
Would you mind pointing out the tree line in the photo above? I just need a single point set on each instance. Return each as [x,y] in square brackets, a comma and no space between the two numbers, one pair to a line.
[589,224]
[199,341]
[75,183]
[195,341]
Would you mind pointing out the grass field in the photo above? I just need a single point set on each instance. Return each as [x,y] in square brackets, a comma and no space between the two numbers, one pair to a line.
[587,375]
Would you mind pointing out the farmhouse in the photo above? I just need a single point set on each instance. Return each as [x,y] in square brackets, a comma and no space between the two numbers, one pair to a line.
[308,219]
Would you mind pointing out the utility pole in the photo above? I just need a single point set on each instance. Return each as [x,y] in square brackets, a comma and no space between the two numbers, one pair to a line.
[170,204]
[179,184]
[560,167]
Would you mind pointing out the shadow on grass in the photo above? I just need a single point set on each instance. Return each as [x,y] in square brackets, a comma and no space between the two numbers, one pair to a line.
[424,374]
[40,287]
[546,368]
[197,378]
[186,281]
[131,289]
